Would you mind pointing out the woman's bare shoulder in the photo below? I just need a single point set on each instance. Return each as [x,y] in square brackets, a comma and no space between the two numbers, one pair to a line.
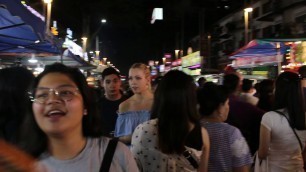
[125,106]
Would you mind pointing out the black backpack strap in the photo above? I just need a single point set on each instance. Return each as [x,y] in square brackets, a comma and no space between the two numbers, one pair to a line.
[108,155]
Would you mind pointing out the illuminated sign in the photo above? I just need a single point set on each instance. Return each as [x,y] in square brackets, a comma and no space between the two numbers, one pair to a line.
[54,31]
[157,14]
[193,59]
[249,61]
[74,48]
[69,33]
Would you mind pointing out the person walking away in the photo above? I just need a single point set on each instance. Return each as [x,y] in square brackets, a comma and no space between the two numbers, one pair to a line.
[283,131]
[242,115]
[173,139]
[229,151]
[248,91]
[266,94]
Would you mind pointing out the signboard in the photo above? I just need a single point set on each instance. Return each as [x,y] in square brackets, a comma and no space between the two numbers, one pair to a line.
[193,59]
[253,61]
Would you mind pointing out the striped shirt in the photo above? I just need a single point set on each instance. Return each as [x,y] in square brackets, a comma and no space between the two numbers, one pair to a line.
[228,148]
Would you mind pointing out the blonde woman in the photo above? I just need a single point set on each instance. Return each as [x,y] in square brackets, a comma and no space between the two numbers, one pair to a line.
[136,109]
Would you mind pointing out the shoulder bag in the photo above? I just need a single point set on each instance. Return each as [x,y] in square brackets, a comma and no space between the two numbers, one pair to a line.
[108,155]
[260,165]
[189,157]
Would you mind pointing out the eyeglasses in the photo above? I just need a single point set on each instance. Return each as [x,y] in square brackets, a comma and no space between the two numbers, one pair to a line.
[65,93]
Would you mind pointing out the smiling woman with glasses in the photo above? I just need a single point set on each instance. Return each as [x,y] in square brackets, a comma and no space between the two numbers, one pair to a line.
[64,125]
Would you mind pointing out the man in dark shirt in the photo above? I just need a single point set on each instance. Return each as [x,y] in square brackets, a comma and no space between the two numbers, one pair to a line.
[109,103]
[244,116]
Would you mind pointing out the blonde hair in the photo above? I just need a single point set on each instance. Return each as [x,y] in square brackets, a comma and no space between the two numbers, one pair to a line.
[145,69]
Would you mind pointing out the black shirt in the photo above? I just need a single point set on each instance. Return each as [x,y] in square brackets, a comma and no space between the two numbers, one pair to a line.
[108,111]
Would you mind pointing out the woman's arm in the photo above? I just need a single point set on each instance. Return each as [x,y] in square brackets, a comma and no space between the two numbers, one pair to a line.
[203,167]
[245,168]
[264,142]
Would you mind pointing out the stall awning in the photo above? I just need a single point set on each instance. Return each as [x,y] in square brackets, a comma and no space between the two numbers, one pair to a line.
[16,8]
[260,48]
[17,36]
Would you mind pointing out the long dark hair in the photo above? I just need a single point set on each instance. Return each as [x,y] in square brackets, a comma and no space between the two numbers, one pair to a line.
[34,139]
[288,95]
[265,94]
[175,107]
[14,100]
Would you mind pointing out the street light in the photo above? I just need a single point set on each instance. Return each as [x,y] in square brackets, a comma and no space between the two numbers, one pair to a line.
[94,35]
[246,22]
[49,5]
[103,21]
[176,53]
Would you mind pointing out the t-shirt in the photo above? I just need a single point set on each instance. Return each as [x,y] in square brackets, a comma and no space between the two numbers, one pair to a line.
[228,148]
[108,111]
[249,98]
[285,153]
[246,118]
[90,159]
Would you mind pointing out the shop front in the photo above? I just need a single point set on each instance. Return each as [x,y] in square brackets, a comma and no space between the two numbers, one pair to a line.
[259,68]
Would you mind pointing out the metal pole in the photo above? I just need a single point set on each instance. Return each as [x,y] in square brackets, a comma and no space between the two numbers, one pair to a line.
[182,36]
[97,43]
[279,58]
[48,17]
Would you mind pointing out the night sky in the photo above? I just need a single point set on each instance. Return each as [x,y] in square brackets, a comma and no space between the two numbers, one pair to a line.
[128,36]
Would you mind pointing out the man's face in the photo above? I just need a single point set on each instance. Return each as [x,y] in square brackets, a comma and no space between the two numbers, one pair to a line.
[111,84]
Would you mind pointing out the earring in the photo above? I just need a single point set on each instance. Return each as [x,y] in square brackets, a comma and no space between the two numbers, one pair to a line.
[85,112]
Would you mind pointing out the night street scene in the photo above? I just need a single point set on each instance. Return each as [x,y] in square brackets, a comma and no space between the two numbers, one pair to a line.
[152,85]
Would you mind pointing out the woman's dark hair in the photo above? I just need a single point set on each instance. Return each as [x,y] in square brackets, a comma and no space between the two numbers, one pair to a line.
[175,107]
[35,140]
[288,95]
[265,94]
[231,82]
[14,100]
[210,97]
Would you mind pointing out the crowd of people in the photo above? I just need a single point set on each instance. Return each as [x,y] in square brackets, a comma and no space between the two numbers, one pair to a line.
[57,122]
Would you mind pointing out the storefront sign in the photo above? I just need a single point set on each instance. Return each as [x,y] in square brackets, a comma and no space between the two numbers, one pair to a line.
[253,61]
[192,59]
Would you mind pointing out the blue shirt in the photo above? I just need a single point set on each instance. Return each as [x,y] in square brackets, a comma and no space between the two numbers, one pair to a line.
[128,121]
[228,147]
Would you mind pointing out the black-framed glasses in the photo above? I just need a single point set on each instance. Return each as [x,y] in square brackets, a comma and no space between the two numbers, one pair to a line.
[65,93]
